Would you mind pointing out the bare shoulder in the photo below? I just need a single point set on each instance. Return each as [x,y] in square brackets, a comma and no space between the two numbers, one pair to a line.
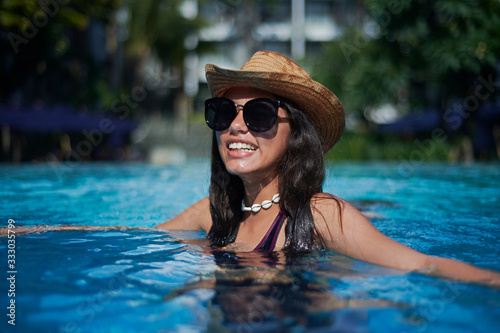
[195,217]
[322,201]
[333,218]
[327,211]
[328,207]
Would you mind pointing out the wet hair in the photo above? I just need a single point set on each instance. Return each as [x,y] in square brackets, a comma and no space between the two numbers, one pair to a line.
[301,175]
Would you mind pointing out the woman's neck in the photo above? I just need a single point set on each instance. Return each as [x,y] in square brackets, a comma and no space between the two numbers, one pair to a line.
[260,190]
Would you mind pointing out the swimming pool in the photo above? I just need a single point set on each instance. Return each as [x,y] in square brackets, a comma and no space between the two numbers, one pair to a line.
[153,281]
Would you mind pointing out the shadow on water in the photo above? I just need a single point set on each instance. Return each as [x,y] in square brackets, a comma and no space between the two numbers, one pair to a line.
[264,292]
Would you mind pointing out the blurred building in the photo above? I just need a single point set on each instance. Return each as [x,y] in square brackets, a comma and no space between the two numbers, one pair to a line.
[235,30]
[296,28]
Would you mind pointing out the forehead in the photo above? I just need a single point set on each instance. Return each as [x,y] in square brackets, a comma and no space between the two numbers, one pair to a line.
[247,93]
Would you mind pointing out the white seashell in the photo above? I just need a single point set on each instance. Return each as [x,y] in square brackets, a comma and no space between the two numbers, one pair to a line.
[266,204]
[255,208]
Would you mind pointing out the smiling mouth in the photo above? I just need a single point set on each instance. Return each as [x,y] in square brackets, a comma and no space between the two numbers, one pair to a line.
[241,146]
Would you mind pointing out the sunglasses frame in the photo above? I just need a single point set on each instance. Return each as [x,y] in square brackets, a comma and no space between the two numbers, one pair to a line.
[275,103]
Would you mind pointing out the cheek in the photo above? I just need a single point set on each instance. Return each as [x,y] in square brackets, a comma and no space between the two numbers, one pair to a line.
[284,135]
[218,138]
[277,144]
[284,143]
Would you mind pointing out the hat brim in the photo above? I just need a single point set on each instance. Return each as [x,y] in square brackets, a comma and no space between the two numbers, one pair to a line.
[317,101]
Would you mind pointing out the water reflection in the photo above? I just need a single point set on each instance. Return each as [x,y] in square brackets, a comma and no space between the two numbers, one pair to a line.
[260,291]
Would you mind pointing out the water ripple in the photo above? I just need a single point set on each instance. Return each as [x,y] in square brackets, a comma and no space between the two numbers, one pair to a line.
[106,271]
[151,248]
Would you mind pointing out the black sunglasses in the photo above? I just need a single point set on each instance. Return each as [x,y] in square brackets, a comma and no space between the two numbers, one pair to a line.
[260,114]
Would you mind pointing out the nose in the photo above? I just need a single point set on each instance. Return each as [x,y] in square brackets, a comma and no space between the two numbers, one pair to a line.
[238,124]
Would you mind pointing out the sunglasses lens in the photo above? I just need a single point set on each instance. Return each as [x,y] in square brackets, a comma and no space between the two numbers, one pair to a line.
[260,114]
[219,113]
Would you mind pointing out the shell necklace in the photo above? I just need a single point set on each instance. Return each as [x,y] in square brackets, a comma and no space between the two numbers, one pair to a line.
[266,204]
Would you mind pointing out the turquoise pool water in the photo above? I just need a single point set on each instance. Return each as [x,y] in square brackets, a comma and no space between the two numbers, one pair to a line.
[152,281]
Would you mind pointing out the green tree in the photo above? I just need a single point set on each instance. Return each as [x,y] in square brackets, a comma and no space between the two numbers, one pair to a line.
[160,26]
[42,40]
[415,54]
[42,55]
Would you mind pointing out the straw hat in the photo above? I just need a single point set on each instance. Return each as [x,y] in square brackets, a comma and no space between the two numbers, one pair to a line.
[275,73]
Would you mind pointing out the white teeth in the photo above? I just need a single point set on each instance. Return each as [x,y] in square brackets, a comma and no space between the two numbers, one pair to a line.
[242,146]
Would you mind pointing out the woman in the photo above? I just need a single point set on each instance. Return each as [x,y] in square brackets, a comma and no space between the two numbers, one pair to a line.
[272,124]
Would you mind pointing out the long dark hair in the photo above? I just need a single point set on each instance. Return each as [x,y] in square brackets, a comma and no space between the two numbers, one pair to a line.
[301,175]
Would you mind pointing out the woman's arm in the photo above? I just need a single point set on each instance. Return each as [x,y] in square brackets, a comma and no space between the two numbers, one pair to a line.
[196,217]
[22,230]
[354,236]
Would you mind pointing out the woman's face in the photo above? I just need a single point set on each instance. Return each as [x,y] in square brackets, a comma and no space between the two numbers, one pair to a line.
[259,153]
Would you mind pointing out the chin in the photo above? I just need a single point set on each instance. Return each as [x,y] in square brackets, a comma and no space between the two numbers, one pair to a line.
[238,170]
[255,172]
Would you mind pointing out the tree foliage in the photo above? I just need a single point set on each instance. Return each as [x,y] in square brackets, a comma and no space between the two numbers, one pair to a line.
[44,55]
[414,53]
[48,54]
[161,27]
